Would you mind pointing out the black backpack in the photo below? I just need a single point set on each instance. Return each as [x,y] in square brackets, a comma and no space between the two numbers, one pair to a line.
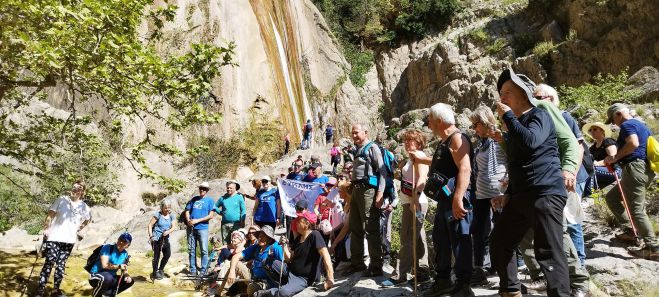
[94,257]
[587,162]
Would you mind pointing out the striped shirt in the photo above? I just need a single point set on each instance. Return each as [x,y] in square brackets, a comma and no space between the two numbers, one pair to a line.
[490,169]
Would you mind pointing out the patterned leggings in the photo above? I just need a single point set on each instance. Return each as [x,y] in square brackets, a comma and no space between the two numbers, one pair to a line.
[56,254]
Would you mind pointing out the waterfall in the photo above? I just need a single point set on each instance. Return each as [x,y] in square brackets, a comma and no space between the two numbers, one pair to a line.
[277,28]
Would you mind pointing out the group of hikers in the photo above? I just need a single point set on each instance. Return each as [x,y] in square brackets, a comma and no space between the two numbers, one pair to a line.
[509,198]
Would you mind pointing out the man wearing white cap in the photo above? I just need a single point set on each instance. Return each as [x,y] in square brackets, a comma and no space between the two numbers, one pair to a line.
[198,212]
[267,206]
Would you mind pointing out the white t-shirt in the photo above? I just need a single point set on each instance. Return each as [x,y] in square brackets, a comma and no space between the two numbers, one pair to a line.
[406,173]
[69,215]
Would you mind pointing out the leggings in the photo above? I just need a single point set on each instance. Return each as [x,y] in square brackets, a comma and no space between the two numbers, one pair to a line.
[158,246]
[56,254]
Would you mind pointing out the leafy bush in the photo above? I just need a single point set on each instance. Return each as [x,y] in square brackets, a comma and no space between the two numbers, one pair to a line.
[479,35]
[605,90]
[152,199]
[542,49]
[361,26]
[259,143]
[496,46]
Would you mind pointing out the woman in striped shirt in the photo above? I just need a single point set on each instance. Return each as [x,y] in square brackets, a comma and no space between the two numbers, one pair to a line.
[490,167]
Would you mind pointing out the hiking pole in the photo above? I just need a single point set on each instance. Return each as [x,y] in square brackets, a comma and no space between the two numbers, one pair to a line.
[37,249]
[281,269]
[116,291]
[414,218]
[624,200]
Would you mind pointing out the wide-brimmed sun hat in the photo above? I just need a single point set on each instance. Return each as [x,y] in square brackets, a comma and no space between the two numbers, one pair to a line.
[606,128]
[268,231]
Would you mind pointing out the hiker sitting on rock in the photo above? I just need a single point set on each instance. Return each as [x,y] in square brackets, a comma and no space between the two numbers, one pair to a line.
[263,255]
[303,260]
[103,275]
[159,229]
[66,216]
[237,245]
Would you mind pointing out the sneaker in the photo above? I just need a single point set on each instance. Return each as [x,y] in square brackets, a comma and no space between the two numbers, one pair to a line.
[394,282]
[647,253]
[160,274]
[538,285]
[352,269]
[627,236]
[510,294]
[479,277]
[440,287]
[578,293]
[462,290]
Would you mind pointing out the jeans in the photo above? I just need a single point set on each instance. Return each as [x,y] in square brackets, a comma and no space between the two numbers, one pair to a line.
[600,179]
[295,284]
[480,230]
[198,237]
[576,230]
[385,230]
[545,215]
[451,239]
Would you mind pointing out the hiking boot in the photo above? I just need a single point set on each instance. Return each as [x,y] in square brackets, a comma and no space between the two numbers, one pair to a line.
[352,269]
[38,293]
[538,285]
[440,287]
[462,290]
[578,293]
[627,236]
[373,272]
[648,253]
[479,277]
[510,294]
[160,274]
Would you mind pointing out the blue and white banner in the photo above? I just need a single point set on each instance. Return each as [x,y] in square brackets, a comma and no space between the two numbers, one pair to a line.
[292,191]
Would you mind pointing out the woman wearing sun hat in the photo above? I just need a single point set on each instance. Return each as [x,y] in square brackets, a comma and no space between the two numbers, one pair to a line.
[603,146]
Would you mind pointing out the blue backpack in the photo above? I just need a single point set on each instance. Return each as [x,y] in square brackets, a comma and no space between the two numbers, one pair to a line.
[390,165]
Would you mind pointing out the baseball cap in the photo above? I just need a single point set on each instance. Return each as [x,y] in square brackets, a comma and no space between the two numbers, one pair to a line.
[521,80]
[126,237]
[610,113]
[309,216]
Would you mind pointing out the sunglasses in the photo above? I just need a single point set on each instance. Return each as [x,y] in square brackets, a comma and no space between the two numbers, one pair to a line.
[203,189]
[265,181]
[541,97]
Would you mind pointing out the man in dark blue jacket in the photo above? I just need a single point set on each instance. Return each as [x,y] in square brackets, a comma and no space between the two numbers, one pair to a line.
[536,192]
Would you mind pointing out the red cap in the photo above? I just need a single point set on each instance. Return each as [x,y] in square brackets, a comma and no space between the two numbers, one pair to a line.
[310,216]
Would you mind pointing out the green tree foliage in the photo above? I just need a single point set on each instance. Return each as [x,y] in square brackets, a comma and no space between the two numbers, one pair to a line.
[605,90]
[362,26]
[90,52]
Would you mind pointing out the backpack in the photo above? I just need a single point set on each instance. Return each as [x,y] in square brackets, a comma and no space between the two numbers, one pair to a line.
[334,151]
[389,163]
[329,131]
[652,153]
[587,161]
[94,257]
[308,128]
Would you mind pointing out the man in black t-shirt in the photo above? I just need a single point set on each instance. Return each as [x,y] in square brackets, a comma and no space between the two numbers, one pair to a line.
[303,259]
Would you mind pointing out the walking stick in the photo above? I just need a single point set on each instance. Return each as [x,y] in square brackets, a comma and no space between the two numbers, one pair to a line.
[281,269]
[116,291]
[414,228]
[624,200]
[38,250]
